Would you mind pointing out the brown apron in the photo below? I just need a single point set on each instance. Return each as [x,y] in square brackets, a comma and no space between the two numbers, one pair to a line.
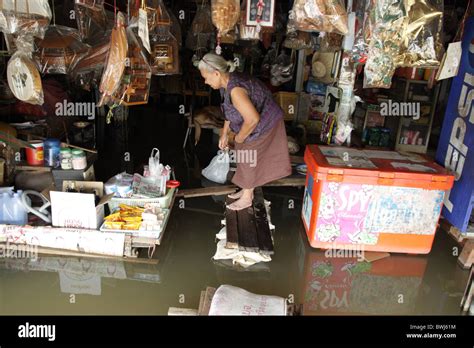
[264,159]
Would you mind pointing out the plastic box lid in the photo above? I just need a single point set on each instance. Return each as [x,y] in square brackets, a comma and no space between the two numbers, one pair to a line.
[391,168]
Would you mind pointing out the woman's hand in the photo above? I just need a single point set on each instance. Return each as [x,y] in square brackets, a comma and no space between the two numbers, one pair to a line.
[223,141]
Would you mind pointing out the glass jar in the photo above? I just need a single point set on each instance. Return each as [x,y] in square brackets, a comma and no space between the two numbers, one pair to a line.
[79,160]
[66,158]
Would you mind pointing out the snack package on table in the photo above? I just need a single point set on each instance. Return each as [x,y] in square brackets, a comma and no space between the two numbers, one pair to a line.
[148,187]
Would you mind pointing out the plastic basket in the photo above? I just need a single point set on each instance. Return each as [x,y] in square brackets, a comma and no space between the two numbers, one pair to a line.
[162,202]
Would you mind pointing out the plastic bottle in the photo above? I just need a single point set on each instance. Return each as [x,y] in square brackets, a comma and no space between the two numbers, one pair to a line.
[2,201]
[79,160]
[19,211]
[8,213]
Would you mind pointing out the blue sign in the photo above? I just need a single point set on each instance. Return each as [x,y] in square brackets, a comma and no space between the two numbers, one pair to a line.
[456,145]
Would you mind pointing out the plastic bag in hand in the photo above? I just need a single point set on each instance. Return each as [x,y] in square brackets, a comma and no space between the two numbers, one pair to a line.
[218,169]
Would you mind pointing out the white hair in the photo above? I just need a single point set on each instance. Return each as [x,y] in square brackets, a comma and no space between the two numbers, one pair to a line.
[213,62]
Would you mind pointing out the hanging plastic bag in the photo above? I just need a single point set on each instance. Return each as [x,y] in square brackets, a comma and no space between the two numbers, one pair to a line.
[60,50]
[390,22]
[201,29]
[225,15]
[25,17]
[116,61]
[422,45]
[91,19]
[320,15]
[218,169]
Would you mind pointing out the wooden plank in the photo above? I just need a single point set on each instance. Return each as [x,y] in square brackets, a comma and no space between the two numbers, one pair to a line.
[231,227]
[207,191]
[23,166]
[469,292]
[208,296]
[289,181]
[247,230]
[466,259]
[264,236]
[371,256]
[175,311]
[297,159]
[455,233]
[201,302]
[292,181]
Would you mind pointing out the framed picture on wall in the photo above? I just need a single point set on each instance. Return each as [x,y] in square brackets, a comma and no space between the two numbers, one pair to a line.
[268,13]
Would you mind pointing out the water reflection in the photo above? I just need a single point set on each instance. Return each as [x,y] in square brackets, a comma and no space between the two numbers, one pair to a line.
[397,285]
[85,275]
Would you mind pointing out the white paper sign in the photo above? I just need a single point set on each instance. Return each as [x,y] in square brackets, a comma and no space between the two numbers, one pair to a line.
[143,29]
[451,61]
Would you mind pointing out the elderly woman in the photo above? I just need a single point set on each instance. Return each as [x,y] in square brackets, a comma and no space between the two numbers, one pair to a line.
[257,121]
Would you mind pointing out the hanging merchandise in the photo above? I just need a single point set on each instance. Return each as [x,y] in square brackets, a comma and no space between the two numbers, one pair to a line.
[389,25]
[325,66]
[330,42]
[260,13]
[298,40]
[165,54]
[363,30]
[88,70]
[202,22]
[422,45]
[23,76]
[164,59]
[60,50]
[247,32]
[268,61]
[91,18]
[225,15]
[282,71]
[134,88]
[201,28]
[23,17]
[319,15]
[116,59]
[92,4]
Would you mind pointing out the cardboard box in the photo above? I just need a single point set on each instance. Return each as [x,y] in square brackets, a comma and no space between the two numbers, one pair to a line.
[78,210]
[60,175]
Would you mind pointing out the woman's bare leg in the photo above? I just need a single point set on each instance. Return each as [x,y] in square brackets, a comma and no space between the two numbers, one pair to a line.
[237,194]
[244,201]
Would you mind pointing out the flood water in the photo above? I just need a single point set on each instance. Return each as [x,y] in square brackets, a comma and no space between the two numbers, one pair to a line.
[182,265]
